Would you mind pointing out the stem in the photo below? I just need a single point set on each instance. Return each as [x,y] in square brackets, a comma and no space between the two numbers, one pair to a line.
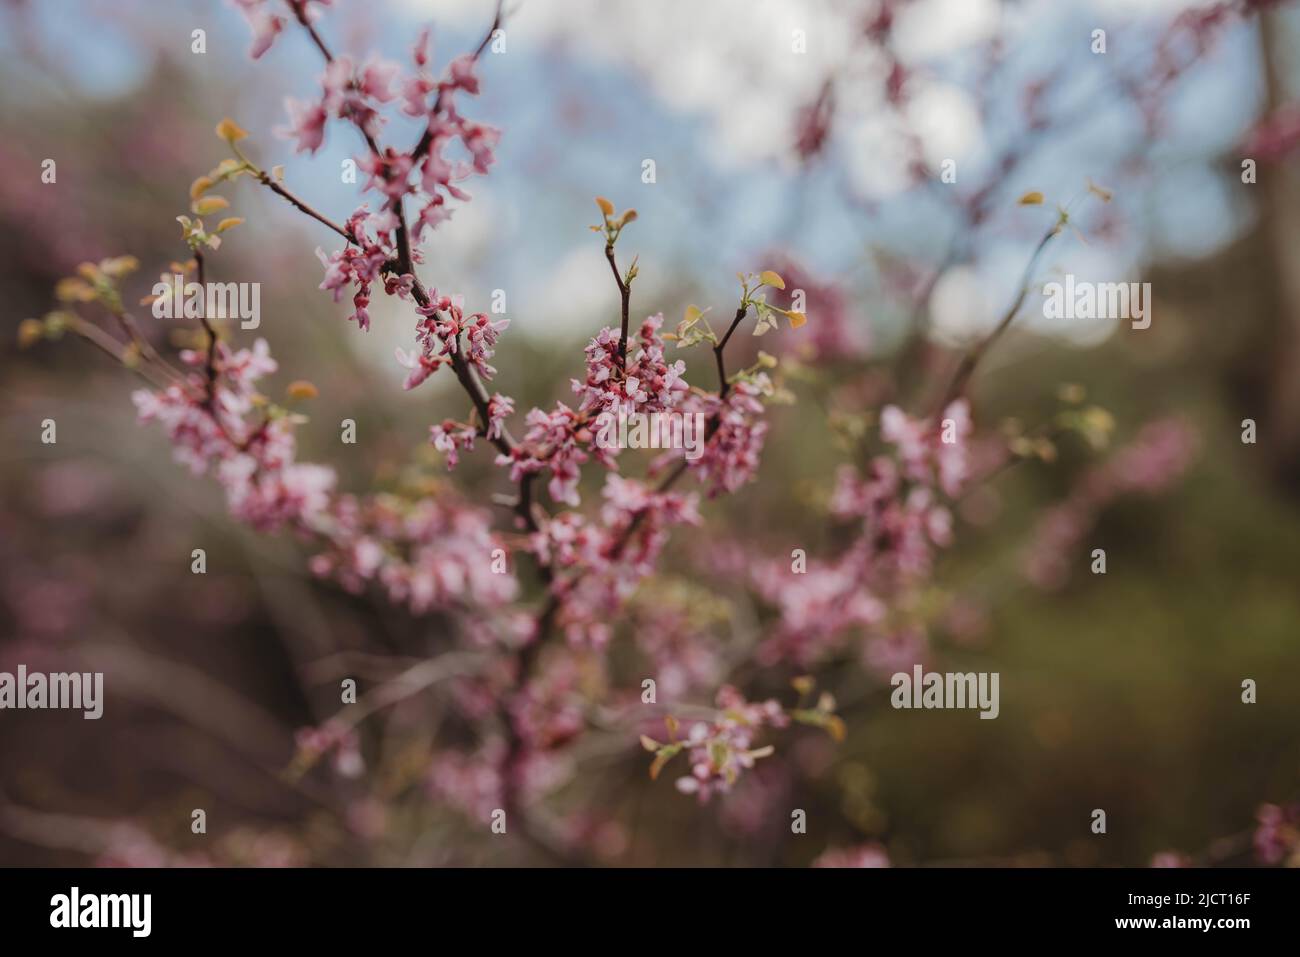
[723,385]
[299,8]
[265,179]
[211,366]
[111,347]
[625,293]
[426,138]
[968,363]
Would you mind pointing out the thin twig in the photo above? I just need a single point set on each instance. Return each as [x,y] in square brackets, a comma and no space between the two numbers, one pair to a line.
[969,361]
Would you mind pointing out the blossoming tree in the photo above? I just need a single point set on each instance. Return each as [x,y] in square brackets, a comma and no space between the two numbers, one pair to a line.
[541,592]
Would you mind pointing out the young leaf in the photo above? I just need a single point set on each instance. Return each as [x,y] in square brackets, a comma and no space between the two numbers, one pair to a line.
[1101,192]
[30,331]
[209,204]
[230,131]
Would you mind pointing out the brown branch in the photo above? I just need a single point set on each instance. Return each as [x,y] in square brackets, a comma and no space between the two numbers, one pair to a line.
[966,368]
[299,8]
[265,179]
[426,138]
[211,366]
[110,346]
[724,386]
[625,294]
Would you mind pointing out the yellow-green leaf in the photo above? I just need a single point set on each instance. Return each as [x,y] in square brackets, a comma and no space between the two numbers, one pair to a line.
[301,389]
[230,131]
[770,278]
[835,727]
[1101,192]
[1032,198]
[209,204]
[119,266]
[73,289]
[230,222]
[30,331]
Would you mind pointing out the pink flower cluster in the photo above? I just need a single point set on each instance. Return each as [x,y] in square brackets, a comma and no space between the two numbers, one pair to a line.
[818,609]
[558,441]
[449,437]
[362,264]
[256,466]
[445,125]
[438,337]
[863,855]
[434,553]
[899,500]
[719,751]
[359,94]
[266,26]
[731,455]
[684,653]
[898,507]
[1277,838]
[649,384]
[335,740]
[1157,456]
[548,712]
[430,554]
[471,783]
[609,559]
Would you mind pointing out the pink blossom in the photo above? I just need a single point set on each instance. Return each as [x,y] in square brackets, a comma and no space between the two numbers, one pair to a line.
[731,454]
[427,555]
[1277,836]
[449,437]
[377,78]
[648,384]
[334,739]
[719,751]
[306,124]
[613,557]
[500,408]
[471,783]
[551,442]
[254,464]
[265,26]
[863,855]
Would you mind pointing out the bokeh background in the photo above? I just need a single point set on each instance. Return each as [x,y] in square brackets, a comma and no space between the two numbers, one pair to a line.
[1119,691]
